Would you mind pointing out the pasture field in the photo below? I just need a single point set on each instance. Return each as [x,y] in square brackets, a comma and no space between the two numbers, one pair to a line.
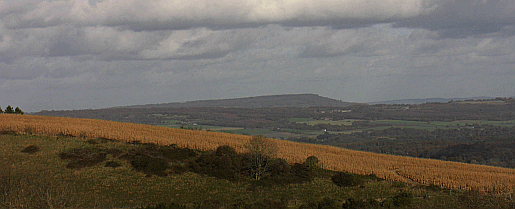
[450,175]
[382,124]
[312,122]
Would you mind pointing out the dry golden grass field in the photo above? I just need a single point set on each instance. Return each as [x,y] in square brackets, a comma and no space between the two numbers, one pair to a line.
[394,168]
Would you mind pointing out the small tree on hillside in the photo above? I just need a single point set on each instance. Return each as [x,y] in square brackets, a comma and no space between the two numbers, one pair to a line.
[1,111]
[260,151]
[9,109]
[17,110]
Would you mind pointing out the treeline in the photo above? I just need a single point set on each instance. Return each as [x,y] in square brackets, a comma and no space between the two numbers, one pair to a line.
[10,110]
[478,144]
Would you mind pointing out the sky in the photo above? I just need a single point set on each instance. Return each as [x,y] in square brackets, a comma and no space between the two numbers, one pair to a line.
[80,54]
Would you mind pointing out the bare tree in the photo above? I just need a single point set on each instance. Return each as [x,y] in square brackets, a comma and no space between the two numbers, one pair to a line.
[260,151]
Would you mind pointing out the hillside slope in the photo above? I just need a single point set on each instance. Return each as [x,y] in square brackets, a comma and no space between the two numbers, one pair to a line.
[287,100]
[394,168]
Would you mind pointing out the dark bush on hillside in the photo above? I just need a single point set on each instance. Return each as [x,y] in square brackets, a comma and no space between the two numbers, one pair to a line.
[82,157]
[178,169]
[150,165]
[301,173]
[7,132]
[221,164]
[166,206]
[112,164]
[431,187]
[327,203]
[312,162]
[76,154]
[267,204]
[209,204]
[30,149]
[399,200]
[352,203]
[346,179]
[114,152]
[279,167]
[90,160]
[226,151]
[174,153]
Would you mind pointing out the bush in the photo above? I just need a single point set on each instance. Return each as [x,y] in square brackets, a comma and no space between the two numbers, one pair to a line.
[279,167]
[327,203]
[91,160]
[224,163]
[312,162]
[165,206]
[346,179]
[30,149]
[353,203]
[209,204]
[267,204]
[112,164]
[399,200]
[301,173]
[226,151]
[150,165]
[82,157]
[174,153]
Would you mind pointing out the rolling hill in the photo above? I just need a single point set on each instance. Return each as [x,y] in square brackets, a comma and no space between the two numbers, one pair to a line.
[286,100]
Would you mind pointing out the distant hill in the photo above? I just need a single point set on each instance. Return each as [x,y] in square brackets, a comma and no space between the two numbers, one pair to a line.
[286,100]
[420,101]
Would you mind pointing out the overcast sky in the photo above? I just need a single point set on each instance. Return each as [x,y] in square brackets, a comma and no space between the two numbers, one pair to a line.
[79,54]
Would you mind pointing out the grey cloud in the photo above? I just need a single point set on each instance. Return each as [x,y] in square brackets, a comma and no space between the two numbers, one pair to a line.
[359,42]
[459,19]
[163,14]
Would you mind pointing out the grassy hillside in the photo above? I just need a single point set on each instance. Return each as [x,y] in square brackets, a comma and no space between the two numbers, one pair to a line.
[394,168]
[40,178]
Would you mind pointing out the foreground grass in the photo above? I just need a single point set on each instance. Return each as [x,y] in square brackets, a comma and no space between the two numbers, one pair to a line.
[41,180]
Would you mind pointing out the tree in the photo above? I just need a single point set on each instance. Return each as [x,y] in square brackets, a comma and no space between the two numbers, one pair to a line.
[312,162]
[260,151]
[1,111]
[9,109]
[17,110]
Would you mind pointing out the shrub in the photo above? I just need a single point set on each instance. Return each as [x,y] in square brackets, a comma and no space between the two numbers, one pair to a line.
[112,164]
[327,203]
[209,204]
[399,200]
[346,179]
[115,152]
[301,173]
[165,206]
[178,169]
[89,161]
[150,165]
[30,149]
[172,152]
[226,151]
[224,163]
[279,167]
[82,157]
[312,162]
[267,204]
[352,203]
